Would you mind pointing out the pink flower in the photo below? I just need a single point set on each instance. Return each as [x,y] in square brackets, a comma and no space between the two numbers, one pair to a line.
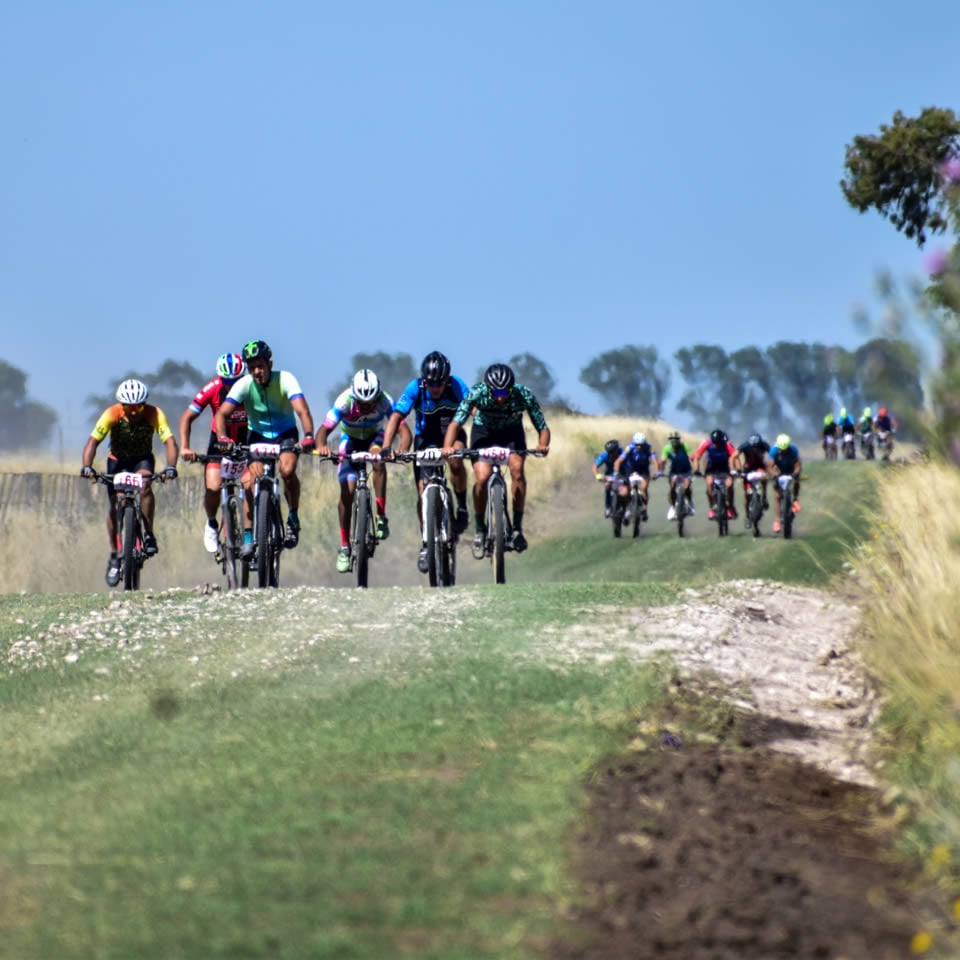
[936,262]
[950,169]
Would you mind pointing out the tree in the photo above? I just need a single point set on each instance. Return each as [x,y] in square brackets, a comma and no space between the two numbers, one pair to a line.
[25,423]
[395,371]
[889,375]
[806,381]
[761,409]
[898,172]
[715,391]
[631,380]
[171,387]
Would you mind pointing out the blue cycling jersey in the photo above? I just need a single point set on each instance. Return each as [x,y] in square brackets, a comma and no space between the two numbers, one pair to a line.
[636,459]
[606,461]
[433,413]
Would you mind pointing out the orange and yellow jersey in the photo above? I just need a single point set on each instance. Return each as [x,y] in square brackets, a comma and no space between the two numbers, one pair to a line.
[131,440]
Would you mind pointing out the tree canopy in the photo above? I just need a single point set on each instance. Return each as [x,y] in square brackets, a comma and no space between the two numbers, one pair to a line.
[171,386]
[898,171]
[631,380]
[25,423]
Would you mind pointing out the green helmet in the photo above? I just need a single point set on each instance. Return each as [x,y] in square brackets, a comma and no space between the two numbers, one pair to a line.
[828,419]
[867,412]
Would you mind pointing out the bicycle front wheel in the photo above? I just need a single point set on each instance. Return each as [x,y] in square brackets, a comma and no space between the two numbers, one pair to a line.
[432,534]
[498,519]
[232,539]
[128,548]
[361,532]
[636,505]
[264,535]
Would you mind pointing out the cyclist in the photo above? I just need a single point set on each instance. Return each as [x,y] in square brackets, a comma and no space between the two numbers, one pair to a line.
[359,411]
[678,455]
[603,468]
[230,367]
[829,435]
[845,424]
[884,427]
[637,458]
[722,457]
[754,455]
[497,404]
[274,402]
[785,461]
[130,423]
[435,396]
[865,426]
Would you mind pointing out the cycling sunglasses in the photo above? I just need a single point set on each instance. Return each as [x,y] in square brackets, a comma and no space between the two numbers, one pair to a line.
[435,383]
[501,394]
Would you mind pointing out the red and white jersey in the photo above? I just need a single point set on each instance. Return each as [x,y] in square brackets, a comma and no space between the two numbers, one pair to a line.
[212,395]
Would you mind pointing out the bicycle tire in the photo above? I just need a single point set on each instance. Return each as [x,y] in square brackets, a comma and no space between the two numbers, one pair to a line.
[617,517]
[431,531]
[788,512]
[447,541]
[263,532]
[277,535]
[128,547]
[722,521]
[361,530]
[680,507]
[756,510]
[498,529]
[232,538]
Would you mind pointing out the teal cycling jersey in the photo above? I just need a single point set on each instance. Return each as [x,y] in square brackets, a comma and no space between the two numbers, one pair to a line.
[497,416]
[269,409]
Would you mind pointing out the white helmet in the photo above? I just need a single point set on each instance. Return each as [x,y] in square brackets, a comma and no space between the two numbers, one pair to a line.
[639,438]
[366,386]
[132,392]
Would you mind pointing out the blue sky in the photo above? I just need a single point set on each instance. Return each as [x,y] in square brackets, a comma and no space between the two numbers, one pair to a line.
[553,177]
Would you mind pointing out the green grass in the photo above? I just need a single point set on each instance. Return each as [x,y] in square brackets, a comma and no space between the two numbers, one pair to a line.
[325,772]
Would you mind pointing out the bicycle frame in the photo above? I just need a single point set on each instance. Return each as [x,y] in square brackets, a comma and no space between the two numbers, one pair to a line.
[680,483]
[437,530]
[754,482]
[785,483]
[363,536]
[228,554]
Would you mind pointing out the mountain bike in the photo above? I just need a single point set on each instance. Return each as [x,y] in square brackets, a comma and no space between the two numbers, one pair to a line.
[499,534]
[363,523]
[268,527]
[130,525]
[439,533]
[755,507]
[720,503]
[785,482]
[681,508]
[230,532]
[849,446]
[868,446]
[632,513]
[830,447]
[883,444]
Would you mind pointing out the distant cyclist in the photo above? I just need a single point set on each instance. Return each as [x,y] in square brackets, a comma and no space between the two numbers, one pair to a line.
[677,454]
[603,468]
[639,457]
[884,427]
[785,462]
[865,426]
[230,367]
[434,396]
[721,459]
[130,423]
[754,456]
[497,404]
[845,423]
[359,411]
[829,435]
[274,402]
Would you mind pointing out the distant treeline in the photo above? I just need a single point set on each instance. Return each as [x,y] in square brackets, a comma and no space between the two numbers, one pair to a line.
[787,386]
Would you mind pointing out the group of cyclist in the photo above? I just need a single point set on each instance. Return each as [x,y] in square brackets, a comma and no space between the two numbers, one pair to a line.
[714,457]
[251,403]
[869,429]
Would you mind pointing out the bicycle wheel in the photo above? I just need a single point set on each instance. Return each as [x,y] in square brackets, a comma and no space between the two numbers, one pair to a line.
[276,528]
[231,542]
[756,510]
[680,508]
[263,531]
[722,522]
[431,530]
[788,512]
[128,548]
[361,532]
[636,505]
[498,530]
[445,543]
[616,517]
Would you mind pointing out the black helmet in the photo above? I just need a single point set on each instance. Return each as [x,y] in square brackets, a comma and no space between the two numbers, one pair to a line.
[674,437]
[499,377]
[718,436]
[435,367]
[257,348]
[754,440]
[612,447]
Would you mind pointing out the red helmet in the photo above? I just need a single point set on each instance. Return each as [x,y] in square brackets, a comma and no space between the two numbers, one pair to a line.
[882,412]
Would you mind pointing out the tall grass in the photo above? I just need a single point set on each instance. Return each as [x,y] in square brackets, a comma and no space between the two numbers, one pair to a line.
[909,572]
